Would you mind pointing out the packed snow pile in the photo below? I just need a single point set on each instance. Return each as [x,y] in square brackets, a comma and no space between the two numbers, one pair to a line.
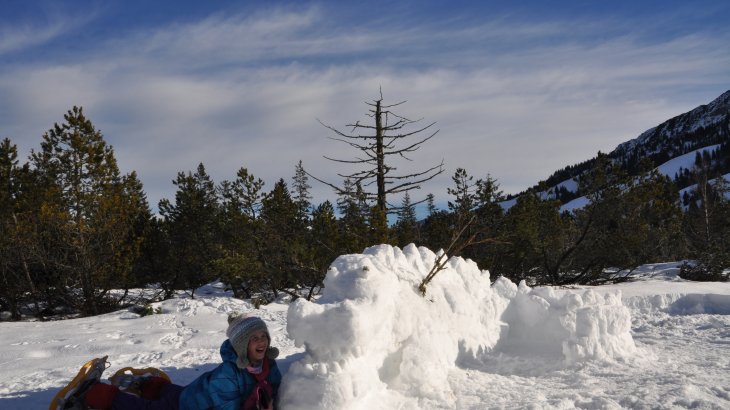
[579,325]
[374,339]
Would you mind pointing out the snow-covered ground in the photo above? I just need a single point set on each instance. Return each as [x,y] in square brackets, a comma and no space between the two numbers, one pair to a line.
[372,341]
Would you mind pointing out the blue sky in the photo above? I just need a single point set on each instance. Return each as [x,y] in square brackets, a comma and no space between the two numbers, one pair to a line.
[517,91]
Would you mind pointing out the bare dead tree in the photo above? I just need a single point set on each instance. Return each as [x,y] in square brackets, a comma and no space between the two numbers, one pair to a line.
[377,144]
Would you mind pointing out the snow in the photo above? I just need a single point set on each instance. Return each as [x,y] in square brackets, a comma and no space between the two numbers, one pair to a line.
[506,205]
[569,184]
[693,188]
[372,341]
[577,203]
[686,161]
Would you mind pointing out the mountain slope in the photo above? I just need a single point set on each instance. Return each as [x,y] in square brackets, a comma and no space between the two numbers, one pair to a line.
[703,129]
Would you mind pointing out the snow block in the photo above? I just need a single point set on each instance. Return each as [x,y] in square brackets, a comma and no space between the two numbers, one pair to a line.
[574,325]
[695,304]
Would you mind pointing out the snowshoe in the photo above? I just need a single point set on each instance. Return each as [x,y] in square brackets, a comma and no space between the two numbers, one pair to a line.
[130,380]
[71,397]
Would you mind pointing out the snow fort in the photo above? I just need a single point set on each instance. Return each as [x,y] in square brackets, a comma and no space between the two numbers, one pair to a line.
[373,341]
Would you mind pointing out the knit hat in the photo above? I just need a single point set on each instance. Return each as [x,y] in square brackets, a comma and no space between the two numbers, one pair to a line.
[240,329]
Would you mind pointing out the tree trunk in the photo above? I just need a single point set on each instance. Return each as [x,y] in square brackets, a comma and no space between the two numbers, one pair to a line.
[380,153]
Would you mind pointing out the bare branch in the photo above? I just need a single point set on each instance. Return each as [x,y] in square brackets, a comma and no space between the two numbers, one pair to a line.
[356,161]
[394,105]
[438,167]
[444,257]
[412,147]
[342,134]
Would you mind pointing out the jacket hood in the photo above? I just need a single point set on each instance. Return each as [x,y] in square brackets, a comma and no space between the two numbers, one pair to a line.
[228,354]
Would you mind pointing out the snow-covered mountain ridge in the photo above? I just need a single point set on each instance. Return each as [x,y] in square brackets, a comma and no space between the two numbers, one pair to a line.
[678,135]
[705,128]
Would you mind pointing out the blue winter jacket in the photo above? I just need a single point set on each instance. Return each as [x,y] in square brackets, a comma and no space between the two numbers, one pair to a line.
[226,386]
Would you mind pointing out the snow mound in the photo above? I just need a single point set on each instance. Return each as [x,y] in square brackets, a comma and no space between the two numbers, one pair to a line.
[695,304]
[577,325]
[372,340]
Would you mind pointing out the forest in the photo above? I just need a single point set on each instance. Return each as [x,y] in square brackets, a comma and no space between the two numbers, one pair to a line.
[77,236]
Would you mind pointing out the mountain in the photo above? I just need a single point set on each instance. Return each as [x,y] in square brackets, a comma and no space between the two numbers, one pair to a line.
[705,125]
[673,147]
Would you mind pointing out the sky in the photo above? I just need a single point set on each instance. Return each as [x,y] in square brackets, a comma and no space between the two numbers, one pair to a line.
[517,91]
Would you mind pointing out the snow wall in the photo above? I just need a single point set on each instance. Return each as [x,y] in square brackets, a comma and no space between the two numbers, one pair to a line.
[372,340]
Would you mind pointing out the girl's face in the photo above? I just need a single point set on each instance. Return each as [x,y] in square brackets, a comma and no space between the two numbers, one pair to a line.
[257,345]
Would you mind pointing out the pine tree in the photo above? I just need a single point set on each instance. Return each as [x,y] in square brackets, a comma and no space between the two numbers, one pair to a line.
[241,263]
[406,227]
[464,194]
[193,227]
[532,242]
[287,264]
[85,194]
[353,222]
[325,243]
[14,273]
[489,219]
[705,226]
[300,189]
[430,206]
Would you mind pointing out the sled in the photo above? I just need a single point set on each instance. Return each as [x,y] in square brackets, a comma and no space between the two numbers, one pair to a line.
[71,396]
[128,379]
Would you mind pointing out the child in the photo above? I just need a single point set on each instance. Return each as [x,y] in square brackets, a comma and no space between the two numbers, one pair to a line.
[247,379]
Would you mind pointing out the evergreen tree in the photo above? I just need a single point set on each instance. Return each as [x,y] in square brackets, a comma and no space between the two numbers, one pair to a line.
[133,210]
[706,225]
[15,276]
[300,189]
[489,219]
[628,222]
[286,263]
[430,207]
[353,222]
[465,198]
[437,230]
[241,265]
[326,244]
[532,242]
[406,227]
[192,223]
[95,220]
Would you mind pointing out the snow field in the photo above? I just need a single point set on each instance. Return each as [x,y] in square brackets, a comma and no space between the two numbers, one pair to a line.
[372,340]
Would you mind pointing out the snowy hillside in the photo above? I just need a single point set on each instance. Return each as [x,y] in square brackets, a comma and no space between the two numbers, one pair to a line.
[672,134]
[669,168]
[687,161]
[371,341]
[673,144]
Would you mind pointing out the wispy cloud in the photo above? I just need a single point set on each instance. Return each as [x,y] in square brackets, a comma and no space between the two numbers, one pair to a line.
[22,35]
